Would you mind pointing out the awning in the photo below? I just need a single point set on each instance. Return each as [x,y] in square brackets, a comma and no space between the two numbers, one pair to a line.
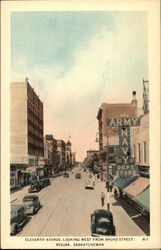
[136,187]
[143,199]
[122,182]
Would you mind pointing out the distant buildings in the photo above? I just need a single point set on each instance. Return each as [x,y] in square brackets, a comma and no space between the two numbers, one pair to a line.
[68,154]
[26,138]
[91,153]
[50,154]
[61,155]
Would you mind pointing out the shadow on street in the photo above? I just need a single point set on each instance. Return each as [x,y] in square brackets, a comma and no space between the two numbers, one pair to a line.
[138,218]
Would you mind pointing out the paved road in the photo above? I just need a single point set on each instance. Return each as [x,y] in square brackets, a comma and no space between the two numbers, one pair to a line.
[66,209]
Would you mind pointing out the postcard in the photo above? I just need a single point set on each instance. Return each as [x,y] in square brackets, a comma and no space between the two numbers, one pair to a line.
[80,139]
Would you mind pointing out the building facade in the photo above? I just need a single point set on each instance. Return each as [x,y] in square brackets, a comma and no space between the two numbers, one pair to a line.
[139,140]
[61,155]
[50,154]
[68,154]
[73,158]
[91,153]
[109,136]
[26,137]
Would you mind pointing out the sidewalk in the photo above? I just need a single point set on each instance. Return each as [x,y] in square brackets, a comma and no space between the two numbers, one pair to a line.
[128,221]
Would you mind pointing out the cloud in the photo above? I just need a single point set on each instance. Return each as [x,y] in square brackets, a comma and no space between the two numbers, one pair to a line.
[105,71]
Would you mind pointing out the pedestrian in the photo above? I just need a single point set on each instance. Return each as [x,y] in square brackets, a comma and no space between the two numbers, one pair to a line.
[102,198]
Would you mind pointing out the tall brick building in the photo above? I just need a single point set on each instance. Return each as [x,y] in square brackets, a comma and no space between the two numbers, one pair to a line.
[109,135]
[26,127]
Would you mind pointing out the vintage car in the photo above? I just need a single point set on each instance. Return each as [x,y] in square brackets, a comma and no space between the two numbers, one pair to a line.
[89,184]
[78,176]
[102,223]
[47,181]
[17,219]
[65,175]
[34,186]
[42,183]
[31,204]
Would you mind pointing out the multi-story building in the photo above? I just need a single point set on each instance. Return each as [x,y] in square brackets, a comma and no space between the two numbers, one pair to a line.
[26,138]
[73,158]
[50,154]
[68,154]
[61,155]
[91,153]
[139,140]
[109,136]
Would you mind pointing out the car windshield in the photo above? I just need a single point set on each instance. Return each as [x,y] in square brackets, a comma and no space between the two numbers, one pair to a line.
[28,202]
[13,213]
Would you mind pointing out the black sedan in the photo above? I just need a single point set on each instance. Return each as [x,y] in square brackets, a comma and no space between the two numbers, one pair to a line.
[102,223]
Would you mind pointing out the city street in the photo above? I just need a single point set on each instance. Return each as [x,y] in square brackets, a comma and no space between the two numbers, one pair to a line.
[67,206]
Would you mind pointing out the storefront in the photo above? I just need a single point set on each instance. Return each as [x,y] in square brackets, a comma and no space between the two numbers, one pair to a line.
[123,182]
[13,180]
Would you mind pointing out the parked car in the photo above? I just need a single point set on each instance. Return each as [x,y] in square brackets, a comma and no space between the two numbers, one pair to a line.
[34,186]
[31,204]
[47,181]
[89,184]
[102,223]
[66,175]
[42,183]
[78,176]
[17,219]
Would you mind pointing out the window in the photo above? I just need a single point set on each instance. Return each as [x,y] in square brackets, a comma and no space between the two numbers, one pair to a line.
[139,152]
[144,151]
[134,154]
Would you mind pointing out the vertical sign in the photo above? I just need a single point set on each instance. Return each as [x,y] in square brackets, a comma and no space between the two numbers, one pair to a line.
[124,141]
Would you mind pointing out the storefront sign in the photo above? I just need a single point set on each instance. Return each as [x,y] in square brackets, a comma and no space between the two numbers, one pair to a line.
[119,122]
[124,141]
[126,170]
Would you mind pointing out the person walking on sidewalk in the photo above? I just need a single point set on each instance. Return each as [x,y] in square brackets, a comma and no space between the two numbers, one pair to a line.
[102,198]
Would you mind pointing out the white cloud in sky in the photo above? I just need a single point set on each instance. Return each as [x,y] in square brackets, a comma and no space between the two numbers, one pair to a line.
[71,102]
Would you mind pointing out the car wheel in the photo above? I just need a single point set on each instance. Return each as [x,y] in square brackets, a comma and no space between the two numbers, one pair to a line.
[15,229]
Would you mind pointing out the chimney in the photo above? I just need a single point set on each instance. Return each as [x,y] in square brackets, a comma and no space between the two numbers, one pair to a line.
[134,103]
[134,95]
[26,79]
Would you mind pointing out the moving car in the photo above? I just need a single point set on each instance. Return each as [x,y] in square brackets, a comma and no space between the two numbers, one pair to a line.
[78,176]
[102,223]
[34,186]
[89,184]
[31,204]
[17,219]
[65,175]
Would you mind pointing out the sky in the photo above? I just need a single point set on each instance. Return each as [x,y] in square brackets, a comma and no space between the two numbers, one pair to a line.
[76,61]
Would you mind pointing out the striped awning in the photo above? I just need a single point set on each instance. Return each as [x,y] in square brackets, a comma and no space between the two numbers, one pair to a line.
[143,199]
[122,182]
[136,187]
